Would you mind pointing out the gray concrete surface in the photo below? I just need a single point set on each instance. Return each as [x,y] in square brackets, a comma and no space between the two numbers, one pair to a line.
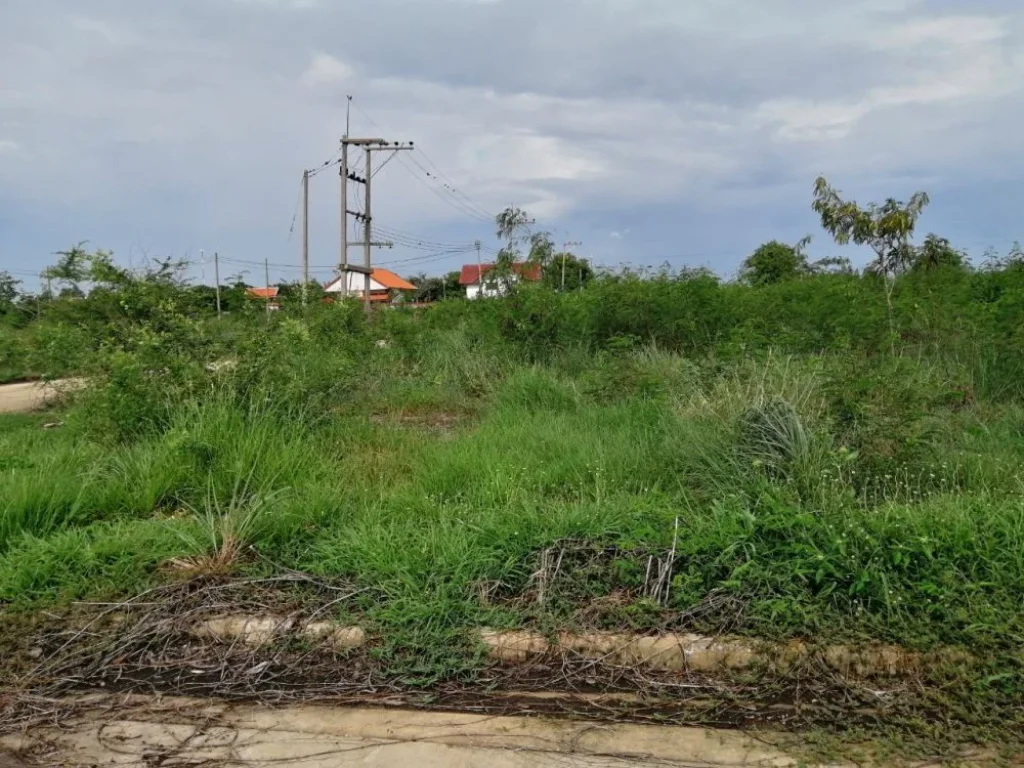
[30,396]
[147,732]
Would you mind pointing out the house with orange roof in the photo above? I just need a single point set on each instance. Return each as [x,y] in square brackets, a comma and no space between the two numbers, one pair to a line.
[385,286]
[268,295]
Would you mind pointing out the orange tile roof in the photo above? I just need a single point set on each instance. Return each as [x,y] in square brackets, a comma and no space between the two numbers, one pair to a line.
[471,272]
[391,281]
[262,293]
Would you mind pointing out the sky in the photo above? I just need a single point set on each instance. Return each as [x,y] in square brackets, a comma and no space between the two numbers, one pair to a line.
[684,132]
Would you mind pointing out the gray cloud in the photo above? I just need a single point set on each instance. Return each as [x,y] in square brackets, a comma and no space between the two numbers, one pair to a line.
[201,113]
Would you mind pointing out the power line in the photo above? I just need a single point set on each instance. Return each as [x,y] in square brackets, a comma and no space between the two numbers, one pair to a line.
[295,213]
[427,259]
[381,166]
[324,167]
[413,237]
[414,241]
[453,201]
[21,272]
[450,188]
[451,183]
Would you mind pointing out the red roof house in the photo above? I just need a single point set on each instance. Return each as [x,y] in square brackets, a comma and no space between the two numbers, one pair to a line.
[385,285]
[262,293]
[471,274]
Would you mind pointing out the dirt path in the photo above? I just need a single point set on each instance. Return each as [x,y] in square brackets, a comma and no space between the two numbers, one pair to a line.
[169,731]
[31,396]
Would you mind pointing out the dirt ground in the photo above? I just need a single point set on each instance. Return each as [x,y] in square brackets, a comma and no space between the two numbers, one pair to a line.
[143,731]
[29,396]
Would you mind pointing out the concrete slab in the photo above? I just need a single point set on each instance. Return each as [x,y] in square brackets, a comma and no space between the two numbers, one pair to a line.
[159,731]
[29,396]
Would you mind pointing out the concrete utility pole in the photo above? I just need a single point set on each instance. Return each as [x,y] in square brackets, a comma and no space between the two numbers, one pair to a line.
[370,146]
[565,249]
[266,275]
[344,209]
[216,277]
[305,233]
[367,233]
[479,271]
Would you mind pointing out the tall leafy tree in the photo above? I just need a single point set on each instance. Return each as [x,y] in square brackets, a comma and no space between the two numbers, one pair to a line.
[513,226]
[937,252]
[885,228]
[578,271]
[8,291]
[71,269]
[775,262]
[437,288]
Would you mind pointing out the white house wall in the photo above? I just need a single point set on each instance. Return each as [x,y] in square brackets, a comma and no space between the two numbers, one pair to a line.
[491,287]
[356,284]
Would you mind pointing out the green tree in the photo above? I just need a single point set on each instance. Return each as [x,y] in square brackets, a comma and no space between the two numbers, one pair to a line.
[885,228]
[831,265]
[100,269]
[936,252]
[994,262]
[513,226]
[542,249]
[577,270]
[8,292]
[71,269]
[437,288]
[775,262]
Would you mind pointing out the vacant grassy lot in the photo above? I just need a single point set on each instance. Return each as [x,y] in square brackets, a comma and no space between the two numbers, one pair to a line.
[806,489]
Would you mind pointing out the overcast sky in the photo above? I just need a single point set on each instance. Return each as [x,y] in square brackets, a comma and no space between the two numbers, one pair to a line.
[686,131]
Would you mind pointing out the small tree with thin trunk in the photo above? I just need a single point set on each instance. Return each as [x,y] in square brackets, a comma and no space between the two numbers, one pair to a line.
[885,228]
[513,226]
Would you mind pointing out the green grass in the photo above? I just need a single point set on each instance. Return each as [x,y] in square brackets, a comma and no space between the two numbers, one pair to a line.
[841,498]
[924,554]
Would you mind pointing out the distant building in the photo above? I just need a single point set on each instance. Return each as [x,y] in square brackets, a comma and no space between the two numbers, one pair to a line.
[269,295]
[385,286]
[471,274]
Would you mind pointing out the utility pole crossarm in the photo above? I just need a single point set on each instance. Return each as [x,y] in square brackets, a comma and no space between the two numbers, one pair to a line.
[369,145]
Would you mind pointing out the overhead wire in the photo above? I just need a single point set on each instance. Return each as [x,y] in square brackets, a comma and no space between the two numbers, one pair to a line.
[451,185]
[468,204]
[413,241]
[324,167]
[427,258]
[295,213]
[452,200]
[381,167]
